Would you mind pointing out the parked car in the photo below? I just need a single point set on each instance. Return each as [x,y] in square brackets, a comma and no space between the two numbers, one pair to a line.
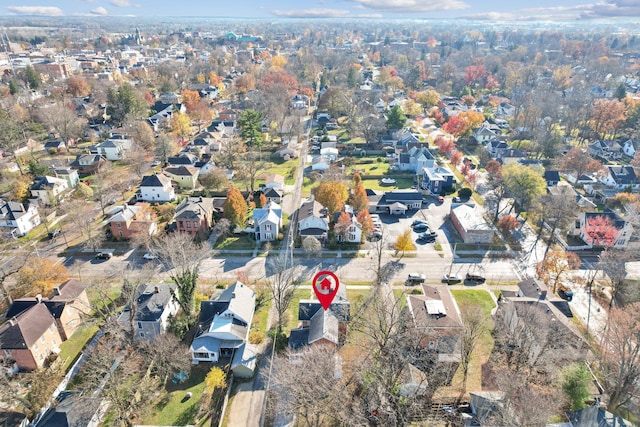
[155,163]
[54,233]
[149,256]
[419,228]
[375,236]
[332,126]
[428,237]
[440,199]
[475,278]
[451,279]
[418,221]
[415,279]
[104,255]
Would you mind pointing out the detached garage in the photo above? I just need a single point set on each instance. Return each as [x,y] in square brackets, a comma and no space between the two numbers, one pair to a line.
[397,208]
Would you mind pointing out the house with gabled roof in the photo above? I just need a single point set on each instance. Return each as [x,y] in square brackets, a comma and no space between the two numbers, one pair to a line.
[483,135]
[152,307]
[156,188]
[313,220]
[267,222]
[224,324]
[113,149]
[17,219]
[47,190]
[73,409]
[318,326]
[621,233]
[437,318]
[88,164]
[436,179]
[68,174]
[30,338]
[194,215]
[273,194]
[184,176]
[399,201]
[128,221]
[630,147]
[183,159]
[620,177]
[416,159]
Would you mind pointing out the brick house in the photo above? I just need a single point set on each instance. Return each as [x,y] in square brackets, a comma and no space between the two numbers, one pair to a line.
[132,220]
[194,215]
[30,338]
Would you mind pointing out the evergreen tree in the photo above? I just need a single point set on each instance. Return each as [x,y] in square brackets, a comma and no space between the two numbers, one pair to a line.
[396,118]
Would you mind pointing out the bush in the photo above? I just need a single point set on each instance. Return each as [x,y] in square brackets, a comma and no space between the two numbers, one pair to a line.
[256,337]
[465,193]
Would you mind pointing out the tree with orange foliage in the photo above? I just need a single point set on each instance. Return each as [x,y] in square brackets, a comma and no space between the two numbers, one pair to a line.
[579,161]
[278,62]
[600,231]
[364,218]
[607,115]
[359,199]
[190,98]
[341,228]
[508,223]
[445,145]
[214,79]
[78,86]
[200,114]
[40,275]
[456,158]
[555,264]
[474,74]
[244,83]
[456,126]
[332,195]
[279,77]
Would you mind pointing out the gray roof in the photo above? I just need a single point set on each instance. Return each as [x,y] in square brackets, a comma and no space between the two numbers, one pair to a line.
[151,300]
[154,180]
[27,328]
[194,208]
[241,299]
[72,410]
[324,324]
[594,416]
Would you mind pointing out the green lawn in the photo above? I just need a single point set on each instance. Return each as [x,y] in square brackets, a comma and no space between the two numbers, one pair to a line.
[293,308]
[375,184]
[285,168]
[260,317]
[374,168]
[236,242]
[101,296]
[174,409]
[71,348]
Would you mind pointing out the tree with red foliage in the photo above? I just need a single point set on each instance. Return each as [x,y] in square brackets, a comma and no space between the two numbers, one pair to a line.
[472,179]
[342,226]
[508,223]
[492,83]
[600,231]
[474,73]
[579,161]
[456,126]
[437,115]
[445,145]
[466,168]
[494,169]
[456,158]
[279,77]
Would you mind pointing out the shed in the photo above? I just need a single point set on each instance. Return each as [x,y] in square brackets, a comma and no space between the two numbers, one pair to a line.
[244,361]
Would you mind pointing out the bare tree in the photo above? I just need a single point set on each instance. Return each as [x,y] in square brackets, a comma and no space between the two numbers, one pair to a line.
[619,356]
[613,262]
[83,218]
[556,211]
[475,326]
[181,256]
[284,278]
[63,120]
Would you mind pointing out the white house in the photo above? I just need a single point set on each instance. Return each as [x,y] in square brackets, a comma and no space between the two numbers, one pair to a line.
[416,159]
[620,177]
[113,149]
[313,220]
[156,188]
[629,147]
[47,189]
[592,227]
[353,233]
[224,324]
[18,219]
[267,222]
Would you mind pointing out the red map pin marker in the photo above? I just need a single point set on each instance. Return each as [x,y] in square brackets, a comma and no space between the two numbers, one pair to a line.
[325,285]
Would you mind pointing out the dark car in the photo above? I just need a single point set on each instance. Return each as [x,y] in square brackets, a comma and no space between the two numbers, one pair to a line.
[427,237]
[104,255]
[418,221]
[475,278]
[419,228]
[54,233]
[415,279]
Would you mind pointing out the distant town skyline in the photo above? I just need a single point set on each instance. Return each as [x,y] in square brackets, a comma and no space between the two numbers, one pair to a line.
[493,10]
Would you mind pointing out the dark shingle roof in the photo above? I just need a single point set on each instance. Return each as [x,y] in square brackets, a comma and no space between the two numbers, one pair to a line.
[152,298]
[27,328]
[154,180]
[72,410]
[299,338]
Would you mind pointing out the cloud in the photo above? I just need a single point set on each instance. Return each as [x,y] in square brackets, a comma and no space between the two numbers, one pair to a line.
[610,9]
[121,3]
[412,6]
[36,10]
[311,13]
[99,11]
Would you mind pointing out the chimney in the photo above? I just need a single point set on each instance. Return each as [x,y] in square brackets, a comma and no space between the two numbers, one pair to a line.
[39,298]
[56,291]
[13,321]
[543,294]
[233,295]
[156,289]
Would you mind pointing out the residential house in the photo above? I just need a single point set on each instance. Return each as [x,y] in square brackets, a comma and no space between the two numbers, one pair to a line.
[69,175]
[505,110]
[18,219]
[352,233]
[565,189]
[183,159]
[184,176]
[68,304]
[267,222]
[436,179]
[415,160]
[194,215]
[88,164]
[243,363]
[72,409]
[30,338]
[470,224]
[437,318]
[156,188]
[273,195]
[55,146]
[300,102]
[406,137]
[113,149]
[599,229]
[496,147]
[596,416]
[47,190]
[318,326]
[620,177]
[630,147]
[229,114]
[398,202]
[224,324]
[129,221]
[512,155]
[483,135]
[149,313]
[313,220]
[552,178]
[274,180]
[606,149]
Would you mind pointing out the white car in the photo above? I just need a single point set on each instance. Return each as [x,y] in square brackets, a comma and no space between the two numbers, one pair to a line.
[149,255]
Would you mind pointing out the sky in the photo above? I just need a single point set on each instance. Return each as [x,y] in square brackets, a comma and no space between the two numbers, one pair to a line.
[496,10]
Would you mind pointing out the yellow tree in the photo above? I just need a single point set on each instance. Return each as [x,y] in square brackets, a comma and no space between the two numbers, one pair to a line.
[332,195]
[555,264]
[190,98]
[278,61]
[181,125]
[404,242]
[215,379]
[40,276]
